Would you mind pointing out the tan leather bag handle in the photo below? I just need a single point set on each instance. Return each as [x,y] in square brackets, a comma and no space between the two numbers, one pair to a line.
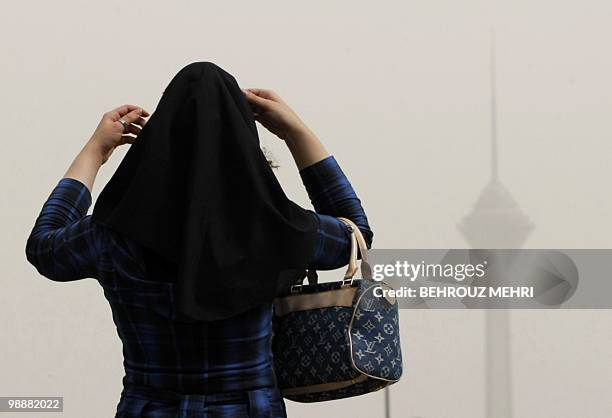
[357,237]
[352,265]
[357,241]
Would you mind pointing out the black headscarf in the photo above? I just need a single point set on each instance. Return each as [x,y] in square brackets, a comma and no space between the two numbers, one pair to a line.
[196,189]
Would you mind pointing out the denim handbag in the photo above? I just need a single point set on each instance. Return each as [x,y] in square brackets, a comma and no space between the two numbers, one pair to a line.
[340,339]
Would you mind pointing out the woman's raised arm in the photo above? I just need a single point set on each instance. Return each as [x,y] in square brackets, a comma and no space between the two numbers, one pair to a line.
[330,191]
[64,244]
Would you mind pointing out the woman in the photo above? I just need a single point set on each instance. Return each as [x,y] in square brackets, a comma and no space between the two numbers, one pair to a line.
[193,237]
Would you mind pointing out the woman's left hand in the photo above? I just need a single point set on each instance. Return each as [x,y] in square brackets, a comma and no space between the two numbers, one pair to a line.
[110,132]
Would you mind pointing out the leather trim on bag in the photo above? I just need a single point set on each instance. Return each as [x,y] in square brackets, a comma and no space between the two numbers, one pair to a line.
[306,301]
[322,387]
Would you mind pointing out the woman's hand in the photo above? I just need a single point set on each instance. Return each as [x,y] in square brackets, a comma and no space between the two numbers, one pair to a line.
[110,133]
[274,114]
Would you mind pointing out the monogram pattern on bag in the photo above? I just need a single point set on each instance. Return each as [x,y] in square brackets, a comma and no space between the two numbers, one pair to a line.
[375,334]
[313,347]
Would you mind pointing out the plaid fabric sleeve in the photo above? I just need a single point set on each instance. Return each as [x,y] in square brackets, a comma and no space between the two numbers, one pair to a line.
[332,195]
[64,244]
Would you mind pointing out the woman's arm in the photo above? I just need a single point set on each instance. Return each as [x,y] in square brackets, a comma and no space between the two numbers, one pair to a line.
[328,188]
[109,134]
[64,244]
[272,112]
[332,195]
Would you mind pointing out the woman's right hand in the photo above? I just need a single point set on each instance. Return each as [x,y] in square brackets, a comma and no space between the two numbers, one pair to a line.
[274,114]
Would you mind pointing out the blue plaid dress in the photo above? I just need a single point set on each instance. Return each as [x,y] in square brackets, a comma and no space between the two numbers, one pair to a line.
[175,368]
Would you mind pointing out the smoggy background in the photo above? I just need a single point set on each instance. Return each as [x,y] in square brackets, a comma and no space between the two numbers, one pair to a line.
[400,93]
